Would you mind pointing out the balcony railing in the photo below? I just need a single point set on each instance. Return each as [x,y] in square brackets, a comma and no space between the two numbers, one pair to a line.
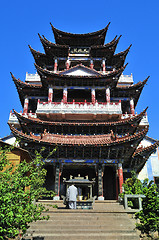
[79,107]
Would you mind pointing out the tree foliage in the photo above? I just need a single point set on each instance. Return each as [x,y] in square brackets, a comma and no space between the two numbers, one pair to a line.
[149,216]
[133,186]
[20,186]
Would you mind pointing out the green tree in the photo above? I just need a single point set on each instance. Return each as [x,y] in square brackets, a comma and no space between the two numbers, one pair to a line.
[132,186]
[20,186]
[149,216]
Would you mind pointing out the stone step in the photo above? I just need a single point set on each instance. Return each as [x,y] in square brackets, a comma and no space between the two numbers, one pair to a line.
[83,216]
[97,204]
[82,228]
[80,224]
[108,220]
[72,211]
[96,208]
[94,236]
[88,221]
[84,219]
[89,215]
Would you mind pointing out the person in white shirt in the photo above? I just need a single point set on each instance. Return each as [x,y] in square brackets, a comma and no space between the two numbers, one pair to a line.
[72,196]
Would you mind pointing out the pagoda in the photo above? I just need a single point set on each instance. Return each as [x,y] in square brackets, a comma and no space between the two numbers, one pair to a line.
[80,103]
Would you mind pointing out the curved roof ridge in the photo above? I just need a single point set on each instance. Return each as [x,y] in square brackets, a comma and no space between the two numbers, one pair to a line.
[45,41]
[20,83]
[140,83]
[110,47]
[86,140]
[142,155]
[34,52]
[101,31]
[122,53]
[76,39]
[141,150]
[105,45]
[110,74]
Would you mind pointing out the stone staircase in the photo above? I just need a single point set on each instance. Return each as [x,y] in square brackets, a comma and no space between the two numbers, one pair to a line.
[107,220]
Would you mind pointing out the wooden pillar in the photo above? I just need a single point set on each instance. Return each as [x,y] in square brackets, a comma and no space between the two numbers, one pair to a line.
[26,104]
[65,95]
[117,185]
[91,191]
[108,95]
[93,95]
[120,174]
[103,65]
[50,94]
[91,64]
[100,183]
[67,64]
[132,106]
[57,182]
[55,66]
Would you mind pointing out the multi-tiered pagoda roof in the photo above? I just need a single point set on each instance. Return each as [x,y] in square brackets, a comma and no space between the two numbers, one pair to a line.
[80,102]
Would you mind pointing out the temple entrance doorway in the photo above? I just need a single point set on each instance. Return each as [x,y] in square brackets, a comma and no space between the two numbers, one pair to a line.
[49,179]
[81,173]
[109,183]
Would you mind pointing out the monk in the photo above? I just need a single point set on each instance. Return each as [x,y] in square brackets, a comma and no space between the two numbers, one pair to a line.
[72,196]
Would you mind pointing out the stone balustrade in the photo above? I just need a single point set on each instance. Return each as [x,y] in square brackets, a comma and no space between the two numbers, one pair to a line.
[79,107]
[131,196]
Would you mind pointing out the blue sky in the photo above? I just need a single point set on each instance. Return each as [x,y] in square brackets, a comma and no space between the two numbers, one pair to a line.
[136,21]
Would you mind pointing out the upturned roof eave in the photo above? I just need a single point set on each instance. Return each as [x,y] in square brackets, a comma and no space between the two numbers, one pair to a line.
[119,141]
[112,44]
[107,45]
[36,53]
[45,72]
[126,121]
[123,53]
[117,60]
[63,34]
[46,42]
[25,89]
[142,155]
[145,150]
[138,87]
[22,84]
[105,51]
[140,84]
